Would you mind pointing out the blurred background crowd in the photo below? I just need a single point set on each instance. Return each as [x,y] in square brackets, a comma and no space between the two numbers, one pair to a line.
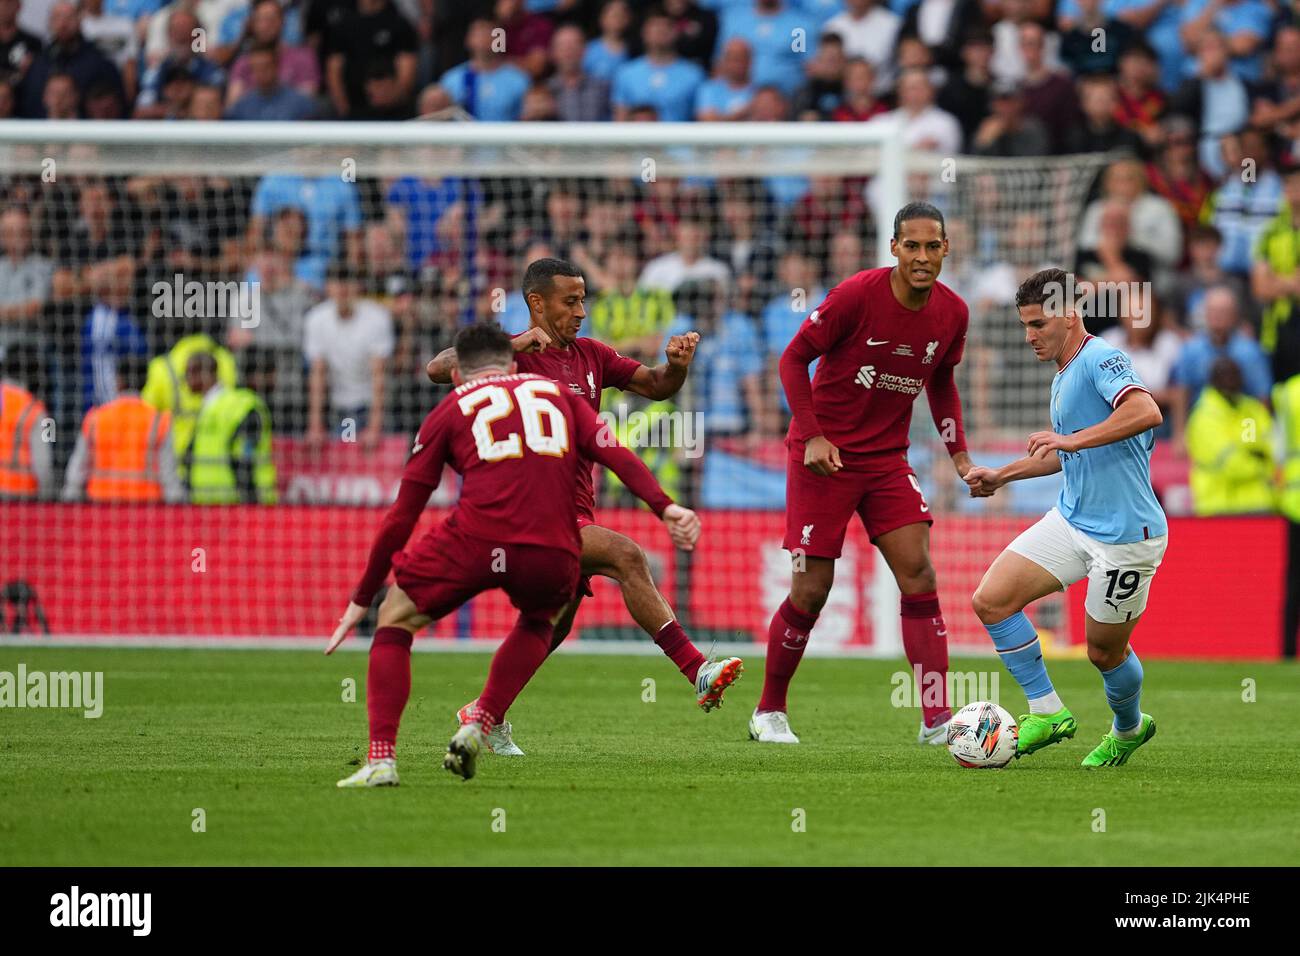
[1196,104]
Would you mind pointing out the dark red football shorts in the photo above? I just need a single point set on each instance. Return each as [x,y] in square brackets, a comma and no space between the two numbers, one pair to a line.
[446,568]
[882,491]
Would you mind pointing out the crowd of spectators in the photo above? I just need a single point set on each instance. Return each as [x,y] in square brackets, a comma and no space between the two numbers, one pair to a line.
[1199,100]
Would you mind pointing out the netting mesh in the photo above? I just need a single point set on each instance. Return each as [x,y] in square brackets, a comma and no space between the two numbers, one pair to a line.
[324,277]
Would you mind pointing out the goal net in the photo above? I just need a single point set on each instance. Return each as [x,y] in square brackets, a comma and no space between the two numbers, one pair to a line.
[326,263]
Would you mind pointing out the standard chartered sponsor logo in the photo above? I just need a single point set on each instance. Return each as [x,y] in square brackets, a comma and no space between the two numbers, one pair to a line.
[868,377]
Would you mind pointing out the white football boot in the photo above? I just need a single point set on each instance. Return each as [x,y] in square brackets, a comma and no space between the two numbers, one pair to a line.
[771,727]
[376,773]
[936,735]
[714,678]
[498,741]
[463,751]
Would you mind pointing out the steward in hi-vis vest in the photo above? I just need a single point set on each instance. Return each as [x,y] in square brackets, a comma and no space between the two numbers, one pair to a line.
[230,456]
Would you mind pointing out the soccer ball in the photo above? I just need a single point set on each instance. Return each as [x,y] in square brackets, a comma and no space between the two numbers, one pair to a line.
[982,735]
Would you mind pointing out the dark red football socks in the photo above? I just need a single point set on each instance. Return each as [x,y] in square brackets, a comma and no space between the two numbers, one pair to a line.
[672,640]
[513,666]
[925,640]
[787,636]
[388,685]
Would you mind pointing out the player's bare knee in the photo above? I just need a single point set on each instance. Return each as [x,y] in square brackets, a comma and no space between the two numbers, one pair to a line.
[809,594]
[920,580]
[629,561]
[989,609]
[1105,658]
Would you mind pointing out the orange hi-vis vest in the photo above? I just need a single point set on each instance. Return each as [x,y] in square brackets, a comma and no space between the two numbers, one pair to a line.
[125,436]
[19,409]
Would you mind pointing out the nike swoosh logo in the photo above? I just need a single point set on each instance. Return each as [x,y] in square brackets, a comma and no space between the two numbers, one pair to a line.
[874,342]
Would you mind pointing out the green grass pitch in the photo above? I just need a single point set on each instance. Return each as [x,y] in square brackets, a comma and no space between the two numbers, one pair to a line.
[257,739]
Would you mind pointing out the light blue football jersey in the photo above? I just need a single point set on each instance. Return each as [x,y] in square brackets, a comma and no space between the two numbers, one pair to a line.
[1107,492]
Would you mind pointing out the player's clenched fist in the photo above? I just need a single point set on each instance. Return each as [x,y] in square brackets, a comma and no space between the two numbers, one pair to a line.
[983,482]
[681,348]
[534,340]
[821,456]
[683,526]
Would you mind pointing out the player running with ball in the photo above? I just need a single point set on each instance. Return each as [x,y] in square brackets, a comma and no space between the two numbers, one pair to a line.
[1107,525]
[519,441]
[882,336]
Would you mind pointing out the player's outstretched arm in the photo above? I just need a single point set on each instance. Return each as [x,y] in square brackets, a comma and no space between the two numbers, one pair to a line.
[666,380]
[596,441]
[984,481]
[1134,413]
[439,367]
[393,534]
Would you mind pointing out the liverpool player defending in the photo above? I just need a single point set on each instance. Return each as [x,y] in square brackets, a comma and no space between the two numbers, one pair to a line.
[555,292]
[516,440]
[882,336]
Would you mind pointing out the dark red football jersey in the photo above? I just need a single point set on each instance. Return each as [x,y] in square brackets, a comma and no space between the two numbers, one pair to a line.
[876,357]
[585,368]
[519,442]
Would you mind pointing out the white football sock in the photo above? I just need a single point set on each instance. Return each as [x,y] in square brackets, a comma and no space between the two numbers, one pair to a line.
[1126,734]
[1046,705]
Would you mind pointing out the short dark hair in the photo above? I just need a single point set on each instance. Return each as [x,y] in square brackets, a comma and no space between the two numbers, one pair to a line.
[341,270]
[918,210]
[1205,230]
[20,362]
[483,344]
[1038,288]
[257,361]
[132,371]
[541,273]
[204,359]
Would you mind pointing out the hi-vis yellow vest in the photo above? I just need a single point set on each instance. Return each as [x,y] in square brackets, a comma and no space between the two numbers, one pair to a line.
[1230,445]
[1286,400]
[216,446]
[165,387]
[645,432]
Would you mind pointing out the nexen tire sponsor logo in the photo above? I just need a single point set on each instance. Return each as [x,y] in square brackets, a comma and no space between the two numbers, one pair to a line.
[868,378]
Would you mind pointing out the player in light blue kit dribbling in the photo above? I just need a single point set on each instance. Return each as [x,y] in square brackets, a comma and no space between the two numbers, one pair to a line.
[1107,525]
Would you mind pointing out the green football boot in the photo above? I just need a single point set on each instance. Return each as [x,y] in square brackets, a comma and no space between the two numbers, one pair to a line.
[1114,751]
[1039,730]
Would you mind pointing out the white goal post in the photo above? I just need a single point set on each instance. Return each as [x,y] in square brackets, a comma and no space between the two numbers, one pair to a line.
[102,147]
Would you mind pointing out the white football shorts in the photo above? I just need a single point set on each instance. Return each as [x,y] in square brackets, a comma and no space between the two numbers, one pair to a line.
[1119,575]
